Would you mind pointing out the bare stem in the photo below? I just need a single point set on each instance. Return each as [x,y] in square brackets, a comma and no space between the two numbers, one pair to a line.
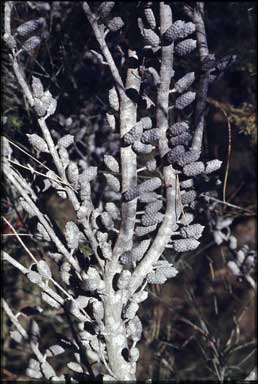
[128,116]
[7,19]
[20,240]
[104,48]
[204,79]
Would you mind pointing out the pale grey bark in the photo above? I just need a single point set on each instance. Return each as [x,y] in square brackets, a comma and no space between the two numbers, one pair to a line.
[198,19]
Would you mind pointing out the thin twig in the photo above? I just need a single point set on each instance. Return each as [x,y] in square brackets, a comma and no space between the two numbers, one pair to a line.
[228,155]
[225,203]
[13,234]
[42,285]
[28,154]
[32,170]
[33,258]
[20,240]
[9,174]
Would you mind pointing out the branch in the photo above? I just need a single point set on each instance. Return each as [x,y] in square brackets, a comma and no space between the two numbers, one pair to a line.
[127,120]
[113,308]
[52,149]
[34,259]
[14,320]
[200,30]
[32,157]
[22,82]
[9,173]
[7,19]
[48,370]
[104,48]
[20,240]
[32,170]
[42,285]
[169,221]
[204,80]
[71,195]
[128,117]
[15,263]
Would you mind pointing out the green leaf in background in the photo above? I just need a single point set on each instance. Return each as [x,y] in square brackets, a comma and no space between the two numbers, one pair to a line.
[86,249]
[15,122]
